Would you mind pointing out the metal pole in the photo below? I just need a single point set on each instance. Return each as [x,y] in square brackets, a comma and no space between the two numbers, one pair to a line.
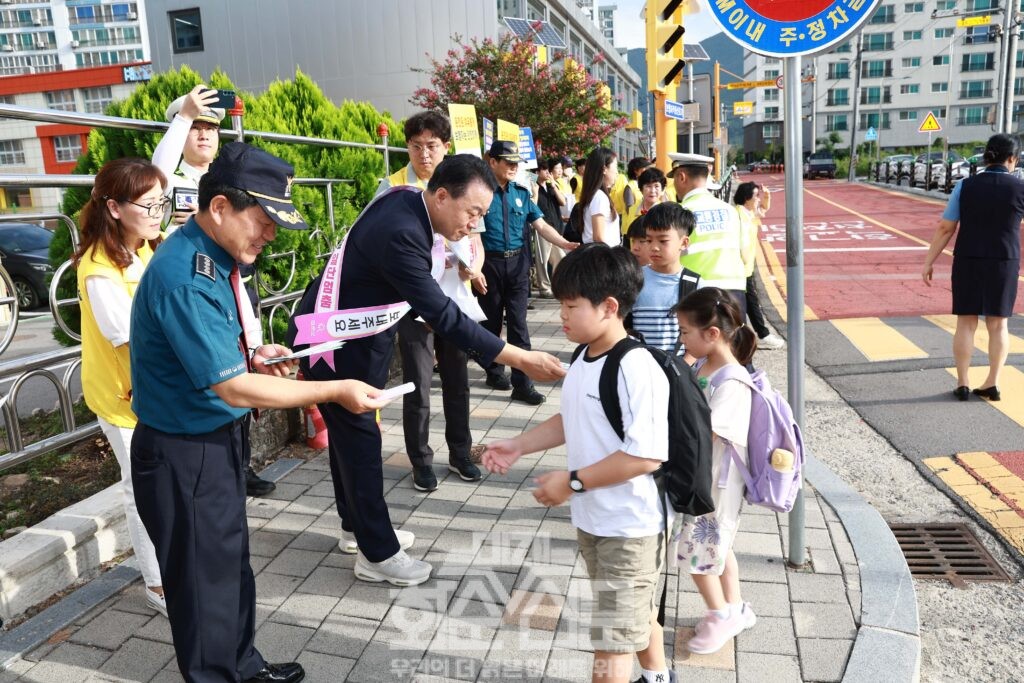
[853,124]
[949,94]
[1011,68]
[814,105]
[795,280]
[689,70]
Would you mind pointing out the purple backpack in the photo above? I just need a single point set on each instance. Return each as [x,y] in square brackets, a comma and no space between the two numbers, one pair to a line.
[772,427]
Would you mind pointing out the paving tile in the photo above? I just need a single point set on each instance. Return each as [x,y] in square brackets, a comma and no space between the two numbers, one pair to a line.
[265,508]
[109,629]
[304,609]
[299,563]
[367,600]
[267,544]
[545,578]
[767,599]
[158,629]
[532,610]
[759,568]
[258,563]
[317,539]
[487,586]
[343,635]
[817,588]
[67,663]
[685,672]
[449,667]
[282,642]
[814,620]
[325,667]
[289,522]
[310,505]
[138,659]
[406,628]
[758,668]
[286,490]
[166,676]
[548,550]
[568,665]
[824,561]
[751,543]
[381,662]
[824,660]
[272,589]
[333,581]
[771,635]
[305,475]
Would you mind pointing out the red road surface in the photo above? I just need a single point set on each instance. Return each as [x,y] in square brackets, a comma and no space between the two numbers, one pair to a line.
[864,249]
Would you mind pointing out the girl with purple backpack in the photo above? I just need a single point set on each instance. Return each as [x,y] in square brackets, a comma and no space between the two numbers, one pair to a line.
[711,329]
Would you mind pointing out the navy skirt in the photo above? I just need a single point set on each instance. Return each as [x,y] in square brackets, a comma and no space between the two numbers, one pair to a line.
[984,286]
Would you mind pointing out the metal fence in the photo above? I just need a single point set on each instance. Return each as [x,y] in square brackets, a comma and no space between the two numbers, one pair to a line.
[920,174]
[279,300]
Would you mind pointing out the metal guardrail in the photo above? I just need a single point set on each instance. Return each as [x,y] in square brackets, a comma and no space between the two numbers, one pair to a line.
[905,173]
[47,365]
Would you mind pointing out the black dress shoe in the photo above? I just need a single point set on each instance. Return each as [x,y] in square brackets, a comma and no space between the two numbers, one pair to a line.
[424,479]
[289,672]
[992,393]
[463,467]
[529,396]
[254,486]
[499,382]
[962,393]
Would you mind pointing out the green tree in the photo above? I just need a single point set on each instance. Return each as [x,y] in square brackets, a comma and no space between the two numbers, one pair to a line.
[566,108]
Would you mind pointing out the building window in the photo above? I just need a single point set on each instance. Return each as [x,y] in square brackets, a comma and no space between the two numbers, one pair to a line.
[11,153]
[845,47]
[97,99]
[946,32]
[912,35]
[67,147]
[978,61]
[771,94]
[876,42]
[771,73]
[186,30]
[976,5]
[771,131]
[945,4]
[978,35]
[875,95]
[877,68]
[771,113]
[911,62]
[7,99]
[1018,86]
[886,14]
[940,60]
[974,116]
[838,97]
[837,70]
[908,115]
[870,120]
[940,87]
[913,7]
[63,100]
[910,88]
[972,90]
[835,122]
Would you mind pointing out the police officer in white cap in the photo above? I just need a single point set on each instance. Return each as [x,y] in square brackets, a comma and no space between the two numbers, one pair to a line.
[715,250]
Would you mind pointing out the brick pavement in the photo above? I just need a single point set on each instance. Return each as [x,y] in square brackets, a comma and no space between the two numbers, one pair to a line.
[508,597]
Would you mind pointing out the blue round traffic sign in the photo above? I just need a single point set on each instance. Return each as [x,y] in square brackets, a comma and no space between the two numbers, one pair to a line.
[787,28]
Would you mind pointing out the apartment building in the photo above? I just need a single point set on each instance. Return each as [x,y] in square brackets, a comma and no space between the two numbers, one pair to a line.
[914,59]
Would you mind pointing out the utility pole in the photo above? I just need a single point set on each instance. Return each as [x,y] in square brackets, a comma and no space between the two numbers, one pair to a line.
[851,175]
[716,105]
[689,71]
[1012,39]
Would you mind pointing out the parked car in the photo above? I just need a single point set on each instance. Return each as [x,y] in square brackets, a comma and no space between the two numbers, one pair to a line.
[756,166]
[961,169]
[977,159]
[820,164]
[25,254]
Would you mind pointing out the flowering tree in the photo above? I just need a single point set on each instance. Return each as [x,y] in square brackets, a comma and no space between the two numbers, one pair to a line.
[567,109]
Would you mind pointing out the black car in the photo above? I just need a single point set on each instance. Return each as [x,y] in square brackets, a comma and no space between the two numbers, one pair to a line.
[25,254]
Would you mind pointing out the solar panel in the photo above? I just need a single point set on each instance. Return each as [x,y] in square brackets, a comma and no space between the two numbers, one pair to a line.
[695,52]
[545,35]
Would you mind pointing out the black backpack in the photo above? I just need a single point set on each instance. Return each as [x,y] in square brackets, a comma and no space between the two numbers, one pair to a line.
[686,475]
[574,226]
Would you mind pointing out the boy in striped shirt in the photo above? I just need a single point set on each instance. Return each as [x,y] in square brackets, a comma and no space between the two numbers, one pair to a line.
[668,226]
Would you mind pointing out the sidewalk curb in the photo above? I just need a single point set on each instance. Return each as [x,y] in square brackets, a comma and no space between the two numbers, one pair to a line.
[888,644]
[40,628]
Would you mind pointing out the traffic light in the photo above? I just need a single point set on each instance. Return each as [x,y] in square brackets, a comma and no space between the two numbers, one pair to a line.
[665,31]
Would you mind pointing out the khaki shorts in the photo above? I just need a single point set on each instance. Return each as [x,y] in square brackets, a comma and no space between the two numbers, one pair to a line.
[624,572]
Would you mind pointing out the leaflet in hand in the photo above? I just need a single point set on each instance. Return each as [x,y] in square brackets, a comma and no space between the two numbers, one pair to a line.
[324,347]
[463,251]
[394,392]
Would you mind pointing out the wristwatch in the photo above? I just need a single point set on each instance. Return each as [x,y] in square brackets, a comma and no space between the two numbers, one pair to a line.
[575,484]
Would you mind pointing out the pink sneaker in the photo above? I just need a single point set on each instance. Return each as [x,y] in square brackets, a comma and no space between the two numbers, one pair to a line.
[713,632]
[748,616]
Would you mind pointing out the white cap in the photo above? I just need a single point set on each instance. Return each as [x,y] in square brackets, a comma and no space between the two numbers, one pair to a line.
[214,116]
[679,159]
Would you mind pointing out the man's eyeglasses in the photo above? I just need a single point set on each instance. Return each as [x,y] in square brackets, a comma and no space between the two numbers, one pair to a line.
[153,210]
[430,147]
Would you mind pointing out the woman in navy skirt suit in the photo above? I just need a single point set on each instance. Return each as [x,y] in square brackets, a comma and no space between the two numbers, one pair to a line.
[988,209]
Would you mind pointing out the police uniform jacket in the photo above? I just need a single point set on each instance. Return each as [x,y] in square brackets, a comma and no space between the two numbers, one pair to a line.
[185,336]
[387,260]
[511,211]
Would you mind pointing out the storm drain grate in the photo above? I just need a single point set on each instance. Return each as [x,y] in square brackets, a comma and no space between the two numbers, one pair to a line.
[946,551]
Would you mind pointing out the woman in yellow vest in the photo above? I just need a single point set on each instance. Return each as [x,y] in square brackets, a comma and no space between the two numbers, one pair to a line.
[120,226]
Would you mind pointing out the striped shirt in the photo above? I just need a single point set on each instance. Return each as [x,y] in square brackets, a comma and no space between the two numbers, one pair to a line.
[652,313]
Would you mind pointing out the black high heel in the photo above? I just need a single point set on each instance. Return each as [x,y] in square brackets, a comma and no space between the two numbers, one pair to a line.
[962,393]
[992,393]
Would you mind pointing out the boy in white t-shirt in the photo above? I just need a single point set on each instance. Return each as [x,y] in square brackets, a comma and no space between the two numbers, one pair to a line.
[612,494]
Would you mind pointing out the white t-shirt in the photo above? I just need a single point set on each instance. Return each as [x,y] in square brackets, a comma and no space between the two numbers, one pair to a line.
[601,205]
[630,509]
[730,419]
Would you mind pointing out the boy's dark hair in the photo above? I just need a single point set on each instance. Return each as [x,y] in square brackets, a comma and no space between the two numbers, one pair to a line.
[744,193]
[595,272]
[435,122]
[637,229]
[635,165]
[651,175]
[670,216]
[456,173]
[551,163]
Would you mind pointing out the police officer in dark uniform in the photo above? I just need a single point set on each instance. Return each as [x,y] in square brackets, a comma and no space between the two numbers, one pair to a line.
[388,257]
[507,264]
[192,388]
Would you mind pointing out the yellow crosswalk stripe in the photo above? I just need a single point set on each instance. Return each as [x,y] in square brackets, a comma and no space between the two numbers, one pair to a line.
[948,323]
[1011,386]
[877,340]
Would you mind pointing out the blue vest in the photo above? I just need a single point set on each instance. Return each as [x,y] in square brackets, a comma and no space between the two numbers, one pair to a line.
[991,209]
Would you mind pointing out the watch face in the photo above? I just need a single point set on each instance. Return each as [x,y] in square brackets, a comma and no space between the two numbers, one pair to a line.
[576,484]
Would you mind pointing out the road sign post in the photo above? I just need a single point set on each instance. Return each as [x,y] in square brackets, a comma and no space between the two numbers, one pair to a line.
[788,29]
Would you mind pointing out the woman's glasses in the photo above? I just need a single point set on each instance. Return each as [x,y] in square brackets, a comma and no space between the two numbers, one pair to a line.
[153,210]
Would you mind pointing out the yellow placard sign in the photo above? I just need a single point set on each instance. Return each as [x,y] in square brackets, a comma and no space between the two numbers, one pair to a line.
[930,124]
[747,85]
[507,131]
[465,136]
[742,108]
[968,22]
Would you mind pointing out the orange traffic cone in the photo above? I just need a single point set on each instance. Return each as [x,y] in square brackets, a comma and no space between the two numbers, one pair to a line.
[316,430]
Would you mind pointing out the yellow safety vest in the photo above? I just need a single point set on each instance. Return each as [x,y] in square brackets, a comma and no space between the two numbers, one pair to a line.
[106,374]
[406,176]
[618,200]
[630,212]
[715,250]
[749,224]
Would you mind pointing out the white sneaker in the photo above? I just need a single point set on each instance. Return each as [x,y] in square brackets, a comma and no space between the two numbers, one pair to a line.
[749,618]
[156,601]
[398,570]
[348,544]
[771,342]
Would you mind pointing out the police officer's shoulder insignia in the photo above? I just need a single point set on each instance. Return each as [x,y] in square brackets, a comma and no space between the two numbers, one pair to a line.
[204,266]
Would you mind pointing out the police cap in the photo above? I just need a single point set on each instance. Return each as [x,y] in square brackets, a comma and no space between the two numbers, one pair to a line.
[261,175]
[505,150]
[209,115]
[684,160]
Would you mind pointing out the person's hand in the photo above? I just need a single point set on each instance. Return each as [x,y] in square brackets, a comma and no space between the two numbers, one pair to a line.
[501,455]
[358,397]
[199,98]
[552,488]
[480,284]
[569,246]
[181,217]
[926,274]
[466,274]
[267,351]
[542,367]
